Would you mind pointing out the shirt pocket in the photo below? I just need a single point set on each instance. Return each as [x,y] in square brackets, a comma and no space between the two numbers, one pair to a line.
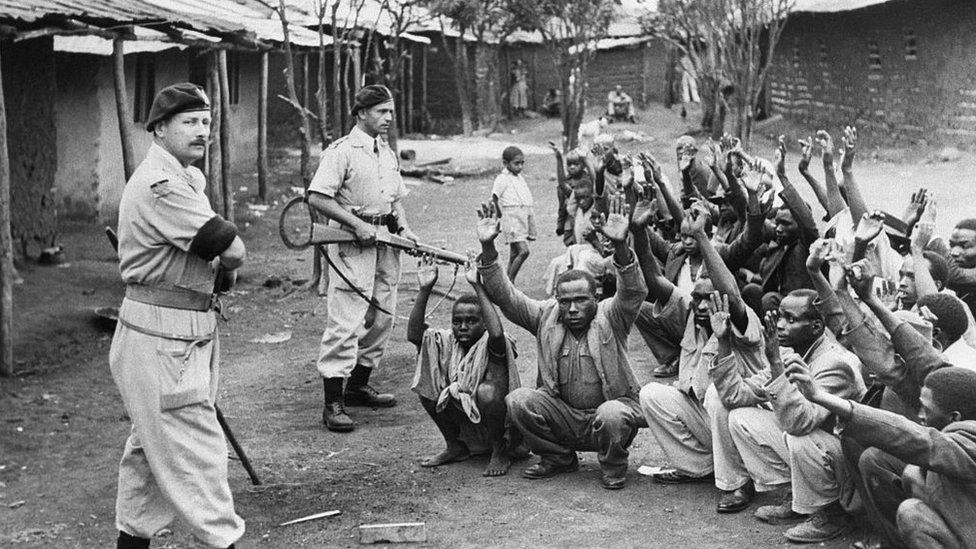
[184,370]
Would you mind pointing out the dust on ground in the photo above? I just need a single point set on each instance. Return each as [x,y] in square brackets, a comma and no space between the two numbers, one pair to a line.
[62,425]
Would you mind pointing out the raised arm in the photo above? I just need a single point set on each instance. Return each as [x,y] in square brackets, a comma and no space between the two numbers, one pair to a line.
[631,291]
[831,310]
[493,324]
[426,278]
[854,197]
[514,304]
[924,283]
[662,186]
[722,277]
[801,212]
[806,154]
[835,199]
[659,288]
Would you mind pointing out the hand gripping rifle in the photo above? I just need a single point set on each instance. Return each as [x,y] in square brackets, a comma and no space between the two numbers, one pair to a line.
[300,229]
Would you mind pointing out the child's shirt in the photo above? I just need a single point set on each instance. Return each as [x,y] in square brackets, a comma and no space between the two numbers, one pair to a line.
[511,190]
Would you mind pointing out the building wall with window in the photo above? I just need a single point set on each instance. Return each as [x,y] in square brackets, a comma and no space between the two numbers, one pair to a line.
[901,70]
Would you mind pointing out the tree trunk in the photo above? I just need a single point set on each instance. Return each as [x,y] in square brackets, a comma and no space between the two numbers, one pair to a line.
[708,88]
[461,74]
[214,185]
[7,274]
[263,130]
[225,129]
[486,84]
[122,106]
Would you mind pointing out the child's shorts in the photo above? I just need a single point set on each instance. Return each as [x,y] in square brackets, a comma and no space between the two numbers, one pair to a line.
[518,224]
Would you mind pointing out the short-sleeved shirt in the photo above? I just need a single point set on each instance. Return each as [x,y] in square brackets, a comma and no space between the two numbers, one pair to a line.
[361,173]
[579,380]
[163,208]
[511,190]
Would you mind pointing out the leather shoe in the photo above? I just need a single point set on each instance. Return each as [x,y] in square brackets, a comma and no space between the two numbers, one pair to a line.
[335,418]
[666,370]
[548,467]
[674,477]
[738,499]
[365,395]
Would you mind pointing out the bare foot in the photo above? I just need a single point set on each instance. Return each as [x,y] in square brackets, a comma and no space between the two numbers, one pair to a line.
[453,453]
[499,463]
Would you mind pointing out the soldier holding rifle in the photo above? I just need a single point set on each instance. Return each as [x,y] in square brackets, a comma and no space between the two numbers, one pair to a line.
[358,185]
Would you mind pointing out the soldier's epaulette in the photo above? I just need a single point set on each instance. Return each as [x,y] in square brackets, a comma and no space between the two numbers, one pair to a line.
[160,188]
[335,143]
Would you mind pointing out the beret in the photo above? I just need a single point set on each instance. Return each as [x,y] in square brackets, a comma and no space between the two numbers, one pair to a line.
[182,97]
[370,96]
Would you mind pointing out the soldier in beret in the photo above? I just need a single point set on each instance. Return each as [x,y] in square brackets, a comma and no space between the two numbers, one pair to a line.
[164,356]
[358,186]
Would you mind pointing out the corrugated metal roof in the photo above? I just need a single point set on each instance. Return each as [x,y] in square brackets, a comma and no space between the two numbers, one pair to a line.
[832,6]
[96,45]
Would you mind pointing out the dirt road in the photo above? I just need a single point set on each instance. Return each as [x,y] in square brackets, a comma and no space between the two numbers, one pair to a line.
[62,425]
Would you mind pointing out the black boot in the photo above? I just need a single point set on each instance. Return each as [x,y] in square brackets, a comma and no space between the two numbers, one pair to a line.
[334,414]
[359,393]
[131,542]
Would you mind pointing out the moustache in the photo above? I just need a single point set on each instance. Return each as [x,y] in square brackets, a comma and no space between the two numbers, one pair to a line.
[200,142]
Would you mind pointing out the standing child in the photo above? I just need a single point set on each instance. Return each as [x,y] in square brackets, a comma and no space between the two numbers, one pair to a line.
[575,192]
[513,200]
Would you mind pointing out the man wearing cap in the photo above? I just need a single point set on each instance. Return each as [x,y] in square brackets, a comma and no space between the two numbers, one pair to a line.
[358,185]
[164,356]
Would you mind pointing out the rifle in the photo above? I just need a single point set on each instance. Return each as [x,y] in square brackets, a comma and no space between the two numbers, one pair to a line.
[299,229]
[224,426]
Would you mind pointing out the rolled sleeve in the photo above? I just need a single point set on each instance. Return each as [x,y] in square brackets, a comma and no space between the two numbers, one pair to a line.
[330,174]
[178,213]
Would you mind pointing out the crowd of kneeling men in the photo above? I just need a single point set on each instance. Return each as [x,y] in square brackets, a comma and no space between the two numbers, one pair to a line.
[835,364]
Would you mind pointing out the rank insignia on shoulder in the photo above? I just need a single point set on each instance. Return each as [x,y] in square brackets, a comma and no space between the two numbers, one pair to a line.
[160,188]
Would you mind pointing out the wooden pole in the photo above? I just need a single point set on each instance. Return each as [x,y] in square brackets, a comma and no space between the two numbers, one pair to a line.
[122,106]
[408,127]
[423,88]
[263,130]
[215,187]
[6,252]
[227,185]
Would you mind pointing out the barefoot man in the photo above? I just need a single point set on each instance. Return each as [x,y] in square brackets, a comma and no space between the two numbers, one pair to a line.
[463,374]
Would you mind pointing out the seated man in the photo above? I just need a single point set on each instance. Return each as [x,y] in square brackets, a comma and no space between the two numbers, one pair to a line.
[620,106]
[688,420]
[809,457]
[948,317]
[586,395]
[463,375]
[552,103]
[933,500]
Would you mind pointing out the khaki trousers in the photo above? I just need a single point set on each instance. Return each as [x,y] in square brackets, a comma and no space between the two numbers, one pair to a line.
[695,437]
[355,331]
[175,460]
[813,463]
[551,428]
[922,528]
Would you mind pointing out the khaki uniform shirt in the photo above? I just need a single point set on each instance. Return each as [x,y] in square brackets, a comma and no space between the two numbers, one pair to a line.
[361,173]
[163,207]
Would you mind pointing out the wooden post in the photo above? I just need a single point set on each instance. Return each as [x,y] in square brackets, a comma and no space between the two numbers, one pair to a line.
[423,88]
[357,69]
[408,84]
[214,185]
[227,185]
[263,130]
[6,252]
[122,106]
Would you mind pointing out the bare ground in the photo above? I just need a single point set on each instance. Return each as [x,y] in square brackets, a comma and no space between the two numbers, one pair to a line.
[62,426]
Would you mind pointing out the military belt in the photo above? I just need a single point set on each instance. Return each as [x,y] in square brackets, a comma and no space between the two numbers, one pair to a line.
[171,297]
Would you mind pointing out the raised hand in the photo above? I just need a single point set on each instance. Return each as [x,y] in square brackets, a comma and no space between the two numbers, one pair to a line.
[922,235]
[798,373]
[931,211]
[916,205]
[711,153]
[820,250]
[645,209]
[616,225]
[718,314]
[649,161]
[771,339]
[752,179]
[850,148]
[699,214]
[870,226]
[826,145]
[489,223]
[427,272]
[806,154]
[860,277]
[781,156]
[555,148]
[687,157]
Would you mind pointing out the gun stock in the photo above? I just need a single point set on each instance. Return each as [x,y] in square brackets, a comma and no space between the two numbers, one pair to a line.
[328,234]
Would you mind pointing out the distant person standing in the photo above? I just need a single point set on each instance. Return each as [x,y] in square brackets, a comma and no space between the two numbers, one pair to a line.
[519,96]
[512,199]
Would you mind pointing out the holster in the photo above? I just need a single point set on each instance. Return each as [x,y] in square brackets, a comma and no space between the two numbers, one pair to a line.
[393,223]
